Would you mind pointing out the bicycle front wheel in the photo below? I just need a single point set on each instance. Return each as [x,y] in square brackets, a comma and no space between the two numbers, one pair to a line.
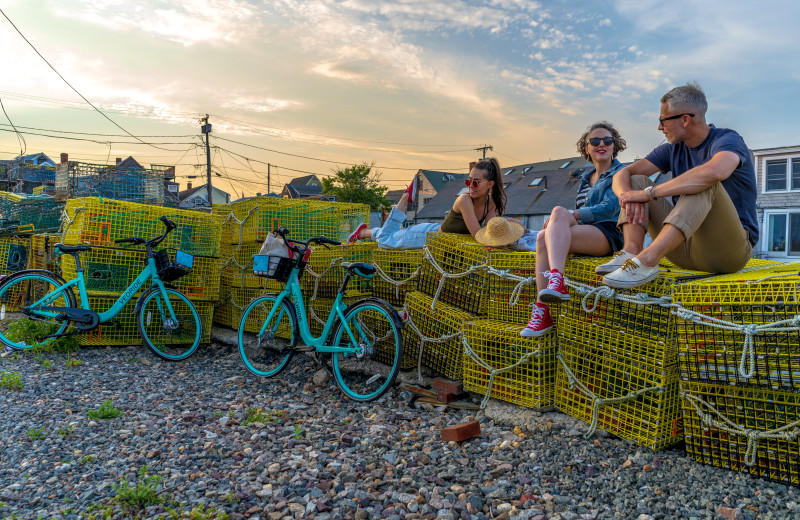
[24,326]
[269,351]
[171,331]
[370,329]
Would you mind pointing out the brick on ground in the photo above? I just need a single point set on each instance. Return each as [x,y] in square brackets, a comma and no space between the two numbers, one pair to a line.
[448,385]
[461,432]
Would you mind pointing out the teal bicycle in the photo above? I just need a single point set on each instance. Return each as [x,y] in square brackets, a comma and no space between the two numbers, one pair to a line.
[355,338]
[167,320]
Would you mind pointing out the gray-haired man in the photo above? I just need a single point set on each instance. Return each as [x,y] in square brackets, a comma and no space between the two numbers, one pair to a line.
[704,218]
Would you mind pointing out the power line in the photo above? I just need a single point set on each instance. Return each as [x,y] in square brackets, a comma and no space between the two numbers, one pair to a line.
[73,88]
[23,146]
[99,135]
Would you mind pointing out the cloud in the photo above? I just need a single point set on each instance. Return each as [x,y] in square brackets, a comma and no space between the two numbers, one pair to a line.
[187,22]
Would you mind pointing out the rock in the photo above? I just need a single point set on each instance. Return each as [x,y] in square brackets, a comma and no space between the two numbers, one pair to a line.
[321,377]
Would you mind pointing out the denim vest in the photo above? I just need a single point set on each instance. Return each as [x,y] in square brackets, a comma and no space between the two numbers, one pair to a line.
[602,205]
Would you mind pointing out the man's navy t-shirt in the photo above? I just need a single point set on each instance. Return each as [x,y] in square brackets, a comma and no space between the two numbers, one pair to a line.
[741,185]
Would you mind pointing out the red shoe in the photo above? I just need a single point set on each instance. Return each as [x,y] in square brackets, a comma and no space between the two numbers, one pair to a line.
[556,291]
[411,190]
[355,236]
[540,323]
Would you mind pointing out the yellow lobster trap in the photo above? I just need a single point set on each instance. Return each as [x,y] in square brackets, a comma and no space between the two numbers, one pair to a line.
[398,273]
[752,430]
[634,400]
[14,254]
[42,254]
[743,328]
[250,220]
[510,299]
[334,220]
[123,330]
[503,365]
[436,328]
[324,274]
[109,271]
[465,282]
[96,221]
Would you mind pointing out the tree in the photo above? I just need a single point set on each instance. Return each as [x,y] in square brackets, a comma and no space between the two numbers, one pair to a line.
[358,183]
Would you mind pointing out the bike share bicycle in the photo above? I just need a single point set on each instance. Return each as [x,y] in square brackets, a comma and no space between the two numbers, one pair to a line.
[167,320]
[354,337]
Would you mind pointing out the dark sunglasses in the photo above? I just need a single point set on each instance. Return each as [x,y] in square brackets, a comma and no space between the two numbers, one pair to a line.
[662,119]
[473,183]
[608,141]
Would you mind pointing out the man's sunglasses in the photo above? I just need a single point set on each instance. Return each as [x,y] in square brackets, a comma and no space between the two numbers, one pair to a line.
[662,119]
[608,141]
[473,183]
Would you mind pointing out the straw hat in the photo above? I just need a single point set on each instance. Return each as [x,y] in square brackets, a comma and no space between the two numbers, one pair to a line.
[499,232]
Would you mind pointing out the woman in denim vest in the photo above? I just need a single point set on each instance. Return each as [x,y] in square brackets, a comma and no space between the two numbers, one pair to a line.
[590,229]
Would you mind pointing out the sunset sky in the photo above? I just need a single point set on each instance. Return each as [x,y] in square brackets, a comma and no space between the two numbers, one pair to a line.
[309,85]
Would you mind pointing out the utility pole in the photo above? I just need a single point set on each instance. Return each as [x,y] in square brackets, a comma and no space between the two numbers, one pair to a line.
[268,178]
[484,148]
[206,129]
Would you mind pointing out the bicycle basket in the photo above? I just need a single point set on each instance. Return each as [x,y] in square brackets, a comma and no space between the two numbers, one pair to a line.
[275,267]
[170,271]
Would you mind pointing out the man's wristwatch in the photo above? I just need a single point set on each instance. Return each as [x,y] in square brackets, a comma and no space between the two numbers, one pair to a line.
[649,191]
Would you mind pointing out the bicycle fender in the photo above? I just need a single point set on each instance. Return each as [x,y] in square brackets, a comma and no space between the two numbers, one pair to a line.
[395,315]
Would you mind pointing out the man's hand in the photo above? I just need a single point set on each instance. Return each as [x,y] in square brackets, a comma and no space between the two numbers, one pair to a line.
[633,196]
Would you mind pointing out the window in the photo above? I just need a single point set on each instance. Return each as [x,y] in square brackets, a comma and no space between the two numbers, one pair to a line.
[782,174]
[565,165]
[506,185]
[535,182]
[509,171]
[526,170]
[783,233]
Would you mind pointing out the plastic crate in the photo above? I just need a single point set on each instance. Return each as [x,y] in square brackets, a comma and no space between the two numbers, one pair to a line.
[499,345]
[719,437]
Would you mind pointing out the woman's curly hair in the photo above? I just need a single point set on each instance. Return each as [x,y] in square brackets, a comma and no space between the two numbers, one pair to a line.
[619,142]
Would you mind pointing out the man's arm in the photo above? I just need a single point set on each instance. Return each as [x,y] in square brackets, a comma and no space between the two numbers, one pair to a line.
[630,200]
[718,168]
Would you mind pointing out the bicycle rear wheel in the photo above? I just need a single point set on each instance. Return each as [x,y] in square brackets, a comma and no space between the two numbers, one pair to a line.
[19,328]
[378,339]
[172,336]
[268,352]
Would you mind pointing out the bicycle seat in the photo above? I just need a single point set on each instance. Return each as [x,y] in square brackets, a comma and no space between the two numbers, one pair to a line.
[359,268]
[72,249]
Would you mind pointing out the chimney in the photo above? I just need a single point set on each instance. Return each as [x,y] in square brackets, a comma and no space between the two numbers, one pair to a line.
[64,158]
[189,185]
[472,165]
[545,183]
[119,160]
[258,194]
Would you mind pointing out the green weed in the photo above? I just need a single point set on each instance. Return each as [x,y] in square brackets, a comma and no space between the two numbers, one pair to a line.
[298,432]
[31,332]
[88,458]
[36,434]
[11,381]
[139,495]
[69,431]
[105,411]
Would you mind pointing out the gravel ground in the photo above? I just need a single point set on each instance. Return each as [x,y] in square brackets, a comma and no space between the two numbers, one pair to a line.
[313,454]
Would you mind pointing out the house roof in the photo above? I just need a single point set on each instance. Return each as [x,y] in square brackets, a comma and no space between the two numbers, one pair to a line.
[522,199]
[393,196]
[301,190]
[185,194]
[33,157]
[303,180]
[130,164]
[439,179]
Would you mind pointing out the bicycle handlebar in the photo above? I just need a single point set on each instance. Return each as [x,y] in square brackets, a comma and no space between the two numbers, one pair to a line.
[168,223]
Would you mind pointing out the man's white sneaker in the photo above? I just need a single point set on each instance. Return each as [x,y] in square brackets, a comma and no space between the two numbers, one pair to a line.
[631,274]
[617,261]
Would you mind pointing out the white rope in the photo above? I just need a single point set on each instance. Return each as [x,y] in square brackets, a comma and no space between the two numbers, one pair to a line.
[753,436]
[68,221]
[397,283]
[445,275]
[240,223]
[493,372]
[598,402]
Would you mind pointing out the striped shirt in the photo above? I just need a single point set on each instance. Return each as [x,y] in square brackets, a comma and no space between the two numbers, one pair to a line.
[580,200]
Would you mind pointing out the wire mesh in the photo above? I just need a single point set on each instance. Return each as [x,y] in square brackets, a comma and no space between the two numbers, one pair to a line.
[399,266]
[97,221]
[499,345]
[653,419]
[455,253]
[250,220]
[29,213]
[757,411]
[327,262]
[14,254]
[110,271]
[140,185]
[42,254]
[123,331]
[757,297]
[521,264]
[436,323]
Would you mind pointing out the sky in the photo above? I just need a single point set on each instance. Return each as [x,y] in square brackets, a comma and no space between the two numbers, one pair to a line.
[308,86]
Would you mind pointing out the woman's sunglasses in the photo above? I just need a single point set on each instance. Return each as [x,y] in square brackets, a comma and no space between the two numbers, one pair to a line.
[472,182]
[608,141]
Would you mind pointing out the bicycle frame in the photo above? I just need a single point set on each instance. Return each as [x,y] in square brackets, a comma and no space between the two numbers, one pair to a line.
[292,291]
[148,272]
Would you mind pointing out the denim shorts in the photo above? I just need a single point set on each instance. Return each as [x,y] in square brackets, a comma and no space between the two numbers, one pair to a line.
[612,234]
